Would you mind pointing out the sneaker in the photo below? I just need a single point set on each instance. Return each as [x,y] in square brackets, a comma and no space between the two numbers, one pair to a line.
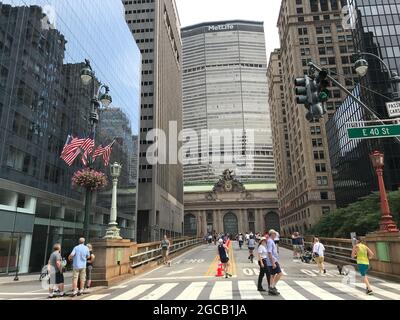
[261,290]
[325,271]
[369,292]
[62,295]
[80,292]
[229,275]
[276,291]
[272,292]
[226,276]
[74,294]
[50,296]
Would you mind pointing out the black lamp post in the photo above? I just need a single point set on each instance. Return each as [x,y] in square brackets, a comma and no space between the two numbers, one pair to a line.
[101,99]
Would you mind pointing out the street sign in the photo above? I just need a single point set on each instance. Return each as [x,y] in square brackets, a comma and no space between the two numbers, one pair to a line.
[374,132]
[393,109]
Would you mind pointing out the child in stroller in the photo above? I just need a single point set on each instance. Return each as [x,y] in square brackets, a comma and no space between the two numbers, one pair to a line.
[306,256]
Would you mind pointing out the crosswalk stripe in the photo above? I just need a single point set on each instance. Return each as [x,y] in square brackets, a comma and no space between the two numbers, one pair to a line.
[390,285]
[248,291]
[133,293]
[222,291]
[317,291]
[95,297]
[350,290]
[160,291]
[288,293]
[381,292]
[192,292]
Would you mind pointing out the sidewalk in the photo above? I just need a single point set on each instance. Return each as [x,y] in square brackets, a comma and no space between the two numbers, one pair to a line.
[4,280]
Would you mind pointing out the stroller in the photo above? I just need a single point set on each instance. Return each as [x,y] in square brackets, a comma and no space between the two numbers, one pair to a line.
[306,256]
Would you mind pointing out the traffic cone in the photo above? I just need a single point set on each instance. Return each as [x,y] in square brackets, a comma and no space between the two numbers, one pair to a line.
[219,270]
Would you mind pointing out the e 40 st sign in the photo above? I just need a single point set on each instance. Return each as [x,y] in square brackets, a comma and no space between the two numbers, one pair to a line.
[374,132]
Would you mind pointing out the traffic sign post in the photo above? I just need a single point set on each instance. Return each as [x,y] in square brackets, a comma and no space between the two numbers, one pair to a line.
[374,132]
[393,109]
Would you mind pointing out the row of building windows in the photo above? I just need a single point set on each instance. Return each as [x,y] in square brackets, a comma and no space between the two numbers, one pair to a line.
[147,106]
[138,2]
[143,30]
[144,40]
[138,11]
[140,21]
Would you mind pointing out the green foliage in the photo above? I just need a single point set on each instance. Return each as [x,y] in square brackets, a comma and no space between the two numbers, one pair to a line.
[361,217]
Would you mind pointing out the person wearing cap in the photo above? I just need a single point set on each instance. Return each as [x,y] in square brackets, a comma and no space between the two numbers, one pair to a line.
[273,263]
[223,256]
[262,262]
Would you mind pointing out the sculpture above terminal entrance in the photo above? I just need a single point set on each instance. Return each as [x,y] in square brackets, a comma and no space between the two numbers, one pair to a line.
[228,183]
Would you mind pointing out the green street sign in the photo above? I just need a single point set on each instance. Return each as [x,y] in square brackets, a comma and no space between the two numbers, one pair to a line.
[374,132]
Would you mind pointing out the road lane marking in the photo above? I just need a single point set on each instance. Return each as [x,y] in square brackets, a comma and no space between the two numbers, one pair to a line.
[95,297]
[192,292]
[381,292]
[23,294]
[160,291]
[248,291]
[390,285]
[288,293]
[133,293]
[179,271]
[213,265]
[222,291]
[350,290]
[118,287]
[179,278]
[317,291]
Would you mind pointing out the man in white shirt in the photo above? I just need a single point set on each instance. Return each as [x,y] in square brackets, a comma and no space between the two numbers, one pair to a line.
[319,255]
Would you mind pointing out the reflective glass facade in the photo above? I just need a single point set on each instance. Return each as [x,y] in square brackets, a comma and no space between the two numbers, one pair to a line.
[376,30]
[43,47]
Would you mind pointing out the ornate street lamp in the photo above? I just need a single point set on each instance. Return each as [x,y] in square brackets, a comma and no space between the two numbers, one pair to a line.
[113,231]
[386,224]
[100,100]
[361,67]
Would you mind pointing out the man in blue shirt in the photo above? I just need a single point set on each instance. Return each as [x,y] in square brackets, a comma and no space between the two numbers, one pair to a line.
[79,257]
[273,263]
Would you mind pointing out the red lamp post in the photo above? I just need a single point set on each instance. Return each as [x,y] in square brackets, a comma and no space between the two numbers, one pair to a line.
[386,224]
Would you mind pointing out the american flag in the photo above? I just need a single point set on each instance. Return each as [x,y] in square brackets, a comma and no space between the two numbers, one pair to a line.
[70,158]
[71,145]
[107,154]
[88,145]
[71,149]
[98,152]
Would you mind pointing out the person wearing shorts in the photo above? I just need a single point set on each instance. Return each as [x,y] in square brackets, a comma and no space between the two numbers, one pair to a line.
[79,256]
[165,250]
[273,263]
[362,253]
[223,256]
[89,267]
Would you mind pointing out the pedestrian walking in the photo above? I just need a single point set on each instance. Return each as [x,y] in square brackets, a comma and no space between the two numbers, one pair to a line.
[363,255]
[240,240]
[89,267]
[273,263]
[79,256]
[251,246]
[247,238]
[165,244]
[262,262]
[224,257]
[55,269]
[277,240]
[319,255]
[297,242]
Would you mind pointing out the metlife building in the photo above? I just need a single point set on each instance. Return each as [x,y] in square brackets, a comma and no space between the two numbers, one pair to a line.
[225,99]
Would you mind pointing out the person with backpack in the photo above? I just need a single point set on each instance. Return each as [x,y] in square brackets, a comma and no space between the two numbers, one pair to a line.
[55,271]
[251,246]
[318,254]
[165,244]
[224,257]
[363,254]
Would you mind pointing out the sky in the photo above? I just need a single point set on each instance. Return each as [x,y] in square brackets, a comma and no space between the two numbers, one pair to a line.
[197,11]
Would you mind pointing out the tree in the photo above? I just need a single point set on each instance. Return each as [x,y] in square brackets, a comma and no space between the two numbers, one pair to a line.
[361,217]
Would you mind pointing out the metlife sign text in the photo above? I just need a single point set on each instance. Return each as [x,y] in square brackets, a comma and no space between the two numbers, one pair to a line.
[221,27]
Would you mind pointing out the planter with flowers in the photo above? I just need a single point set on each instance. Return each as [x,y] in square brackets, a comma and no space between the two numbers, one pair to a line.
[90,179]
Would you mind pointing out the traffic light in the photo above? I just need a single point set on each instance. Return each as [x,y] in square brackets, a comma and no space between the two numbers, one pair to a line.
[323,92]
[307,91]
[301,90]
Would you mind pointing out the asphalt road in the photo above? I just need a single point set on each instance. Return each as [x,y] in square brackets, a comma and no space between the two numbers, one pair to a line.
[192,277]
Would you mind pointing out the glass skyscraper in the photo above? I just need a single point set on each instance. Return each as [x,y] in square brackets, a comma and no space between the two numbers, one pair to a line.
[376,30]
[43,47]
[225,89]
